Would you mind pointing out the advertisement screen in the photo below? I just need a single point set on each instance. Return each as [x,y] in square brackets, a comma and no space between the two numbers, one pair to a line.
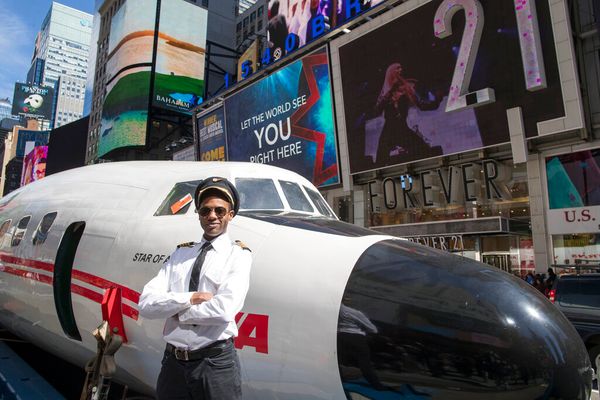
[34,165]
[286,120]
[179,71]
[211,136]
[301,21]
[32,101]
[125,108]
[396,104]
[39,138]
[574,179]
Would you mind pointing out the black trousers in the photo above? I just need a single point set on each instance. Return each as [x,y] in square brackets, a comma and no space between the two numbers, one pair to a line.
[211,378]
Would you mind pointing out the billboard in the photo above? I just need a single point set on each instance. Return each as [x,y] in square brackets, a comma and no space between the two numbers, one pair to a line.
[573,182]
[34,165]
[574,179]
[39,138]
[286,120]
[130,47]
[295,23]
[32,101]
[179,70]
[210,128]
[428,91]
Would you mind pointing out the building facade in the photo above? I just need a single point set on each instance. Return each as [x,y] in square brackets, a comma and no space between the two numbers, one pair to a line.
[491,153]
[5,109]
[251,24]
[244,5]
[60,60]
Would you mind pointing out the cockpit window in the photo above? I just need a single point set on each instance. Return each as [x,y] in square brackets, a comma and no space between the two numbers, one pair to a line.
[20,231]
[41,233]
[319,202]
[295,197]
[258,194]
[179,199]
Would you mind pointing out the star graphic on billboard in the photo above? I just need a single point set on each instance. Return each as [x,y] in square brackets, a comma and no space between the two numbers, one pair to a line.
[309,63]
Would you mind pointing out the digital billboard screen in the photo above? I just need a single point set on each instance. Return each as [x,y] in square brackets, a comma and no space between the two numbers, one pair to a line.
[179,70]
[210,128]
[399,106]
[286,120]
[295,23]
[34,165]
[125,109]
[32,101]
[574,179]
[573,182]
[39,138]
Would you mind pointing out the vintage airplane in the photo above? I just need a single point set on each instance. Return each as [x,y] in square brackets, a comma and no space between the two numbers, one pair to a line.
[334,311]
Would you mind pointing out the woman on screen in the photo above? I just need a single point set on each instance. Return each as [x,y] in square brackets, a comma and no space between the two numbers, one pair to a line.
[397,139]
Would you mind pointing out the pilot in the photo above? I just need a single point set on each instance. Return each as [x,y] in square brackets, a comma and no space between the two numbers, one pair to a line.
[199,291]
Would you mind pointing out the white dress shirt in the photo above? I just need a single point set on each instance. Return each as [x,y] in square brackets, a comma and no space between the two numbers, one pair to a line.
[225,273]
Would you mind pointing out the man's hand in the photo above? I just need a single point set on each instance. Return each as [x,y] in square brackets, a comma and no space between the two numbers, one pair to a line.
[200,297]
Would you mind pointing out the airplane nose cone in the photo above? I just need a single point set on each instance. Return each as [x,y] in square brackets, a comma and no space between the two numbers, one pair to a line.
[420,323]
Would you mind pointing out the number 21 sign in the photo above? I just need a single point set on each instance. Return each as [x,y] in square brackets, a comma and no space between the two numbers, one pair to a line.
[442,77]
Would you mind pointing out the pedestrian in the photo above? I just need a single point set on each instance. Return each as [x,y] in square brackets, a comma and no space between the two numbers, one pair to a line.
[529,278]
[199,291]
[551,278]
[539,282]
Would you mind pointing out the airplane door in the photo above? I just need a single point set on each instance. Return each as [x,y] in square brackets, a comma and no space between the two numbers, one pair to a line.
[61,282]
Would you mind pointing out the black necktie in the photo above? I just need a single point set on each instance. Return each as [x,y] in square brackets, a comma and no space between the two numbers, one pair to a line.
[195,277]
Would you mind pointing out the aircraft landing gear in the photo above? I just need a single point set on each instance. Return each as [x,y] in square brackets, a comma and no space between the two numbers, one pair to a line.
[101,368]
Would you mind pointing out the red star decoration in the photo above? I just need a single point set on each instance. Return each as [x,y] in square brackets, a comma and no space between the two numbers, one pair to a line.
[320,175]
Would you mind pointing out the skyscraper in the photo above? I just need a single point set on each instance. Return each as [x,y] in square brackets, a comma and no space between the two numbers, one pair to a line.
[5,109]
[63,44]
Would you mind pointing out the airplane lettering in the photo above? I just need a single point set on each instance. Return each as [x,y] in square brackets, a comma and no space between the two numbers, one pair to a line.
[149,257]
[253,331]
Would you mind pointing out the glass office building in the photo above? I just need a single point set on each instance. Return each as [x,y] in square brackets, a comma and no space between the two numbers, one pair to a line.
[64,44]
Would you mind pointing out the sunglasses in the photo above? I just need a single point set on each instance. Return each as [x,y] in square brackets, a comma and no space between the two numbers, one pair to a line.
[220,212]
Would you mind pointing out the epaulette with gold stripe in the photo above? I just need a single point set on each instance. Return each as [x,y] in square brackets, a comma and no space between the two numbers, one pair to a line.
[186,244]
[242,245]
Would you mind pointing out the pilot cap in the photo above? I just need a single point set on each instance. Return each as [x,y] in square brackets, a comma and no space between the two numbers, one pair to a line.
[222,185]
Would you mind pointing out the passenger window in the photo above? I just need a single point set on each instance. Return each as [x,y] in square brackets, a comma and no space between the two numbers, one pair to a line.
[41,233]
[295,196]
[319,202]
[258,194]
[179,199]
[3,231]
[4,227]
[20,231]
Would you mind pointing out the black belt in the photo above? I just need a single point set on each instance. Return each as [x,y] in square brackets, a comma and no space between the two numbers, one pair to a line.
[212,350]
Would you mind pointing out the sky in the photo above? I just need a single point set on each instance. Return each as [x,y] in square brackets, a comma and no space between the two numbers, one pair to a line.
[20,21]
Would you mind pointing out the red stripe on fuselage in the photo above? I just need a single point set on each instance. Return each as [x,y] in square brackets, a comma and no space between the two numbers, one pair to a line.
[44,266]
[101,283]
[27,274]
